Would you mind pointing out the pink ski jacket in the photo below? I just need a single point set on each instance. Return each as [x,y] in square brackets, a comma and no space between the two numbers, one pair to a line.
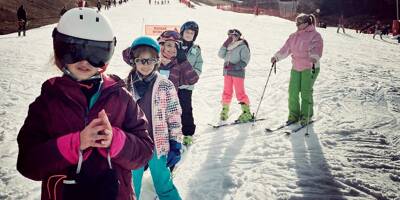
[302,45]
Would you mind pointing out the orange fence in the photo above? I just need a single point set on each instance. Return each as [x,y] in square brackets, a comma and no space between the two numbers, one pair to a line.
[251,10]
[187,3]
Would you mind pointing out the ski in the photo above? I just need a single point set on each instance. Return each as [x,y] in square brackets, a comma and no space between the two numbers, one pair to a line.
[279,127]
[234,123]
[288,132]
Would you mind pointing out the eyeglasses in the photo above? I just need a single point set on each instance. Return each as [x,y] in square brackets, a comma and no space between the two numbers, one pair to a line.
[69,49]
[144,61]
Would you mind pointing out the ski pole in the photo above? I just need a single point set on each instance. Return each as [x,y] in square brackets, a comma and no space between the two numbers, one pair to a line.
[265,87]
[310,104]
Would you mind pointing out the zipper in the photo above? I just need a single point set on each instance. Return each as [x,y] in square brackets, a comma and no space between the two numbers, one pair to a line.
[86,116]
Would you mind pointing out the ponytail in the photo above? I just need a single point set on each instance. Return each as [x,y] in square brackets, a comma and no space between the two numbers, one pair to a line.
[313,19]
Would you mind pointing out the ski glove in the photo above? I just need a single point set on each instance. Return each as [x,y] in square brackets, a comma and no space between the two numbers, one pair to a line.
[228,66]
[238,66]
[274,59]
[180,54]
[227,42]
[313,60]
[174,154]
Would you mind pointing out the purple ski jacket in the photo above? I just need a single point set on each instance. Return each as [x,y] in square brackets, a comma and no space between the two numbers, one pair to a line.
[49,139]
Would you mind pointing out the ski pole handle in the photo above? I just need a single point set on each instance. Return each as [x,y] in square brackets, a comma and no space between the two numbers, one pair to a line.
[313,71]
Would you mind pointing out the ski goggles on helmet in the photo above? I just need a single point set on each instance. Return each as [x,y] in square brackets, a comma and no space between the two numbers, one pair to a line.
[304,19]
[144,61]
[69,49]
[234,32]
[169,35]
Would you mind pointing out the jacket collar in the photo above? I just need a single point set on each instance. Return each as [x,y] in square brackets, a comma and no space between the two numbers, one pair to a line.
[309,28]
[70,89]
[235,44]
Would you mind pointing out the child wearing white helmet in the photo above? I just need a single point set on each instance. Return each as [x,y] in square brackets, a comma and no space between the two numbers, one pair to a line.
[84,134]
[157,97]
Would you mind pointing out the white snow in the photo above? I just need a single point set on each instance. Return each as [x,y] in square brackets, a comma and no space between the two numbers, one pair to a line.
[352,151]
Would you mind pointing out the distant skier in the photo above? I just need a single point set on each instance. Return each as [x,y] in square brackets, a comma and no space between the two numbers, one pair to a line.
[385,30]
[63,10]
[22,20]
[377,30]
[157,97]
[189,32]
[98,5]
[305,46]
[82,3]
[236,54]
[341,24]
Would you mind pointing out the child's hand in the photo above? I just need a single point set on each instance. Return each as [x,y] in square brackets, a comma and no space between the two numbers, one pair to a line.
[108,131]
[180,54]
[228,41]
[273,59]
[97,134]
[90,136]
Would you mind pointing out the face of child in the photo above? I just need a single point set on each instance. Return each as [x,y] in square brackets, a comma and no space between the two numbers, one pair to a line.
[301,24]
[170,48]
[188,35]
[145,68]
[82,70]
[234,37]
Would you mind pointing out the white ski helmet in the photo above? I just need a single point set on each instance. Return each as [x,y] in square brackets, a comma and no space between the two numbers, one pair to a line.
[84,34]
[86,23]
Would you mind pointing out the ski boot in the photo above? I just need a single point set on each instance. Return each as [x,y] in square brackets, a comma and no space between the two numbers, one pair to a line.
[305,121]
[291,120]
[224,113]
[246,115]
[187,140]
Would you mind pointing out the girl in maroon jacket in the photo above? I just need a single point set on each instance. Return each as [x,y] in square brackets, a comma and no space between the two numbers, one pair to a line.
[173,61]
[84,134]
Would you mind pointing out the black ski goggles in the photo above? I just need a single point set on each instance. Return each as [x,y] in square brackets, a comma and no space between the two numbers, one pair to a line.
[69,49]
[234,32]
[190,26]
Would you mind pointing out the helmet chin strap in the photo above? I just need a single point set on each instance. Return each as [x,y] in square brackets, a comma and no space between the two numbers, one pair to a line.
[69,73]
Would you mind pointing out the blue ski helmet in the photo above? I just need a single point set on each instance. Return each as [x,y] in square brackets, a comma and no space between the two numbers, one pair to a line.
[145,41]
[192,26]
